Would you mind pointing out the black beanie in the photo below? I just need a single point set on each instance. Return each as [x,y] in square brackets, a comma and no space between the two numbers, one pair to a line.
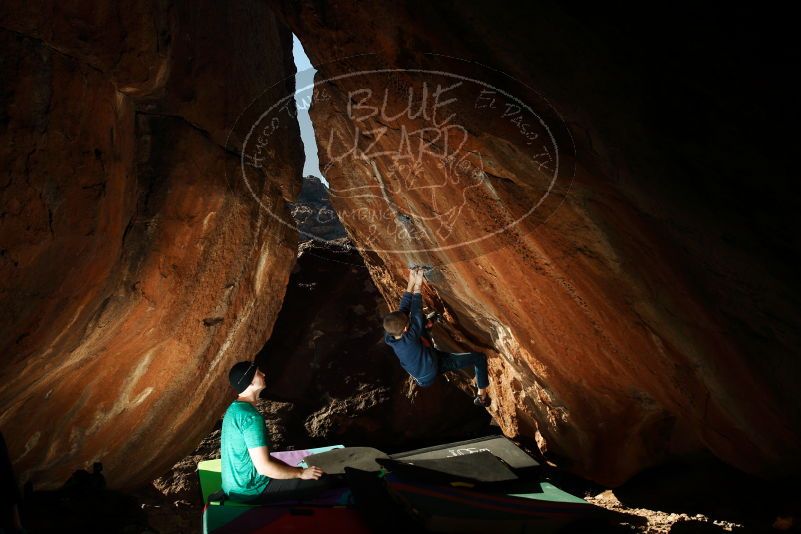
[241,375]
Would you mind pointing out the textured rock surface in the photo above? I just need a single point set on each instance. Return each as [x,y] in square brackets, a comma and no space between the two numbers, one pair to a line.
[134,269]
[655,312]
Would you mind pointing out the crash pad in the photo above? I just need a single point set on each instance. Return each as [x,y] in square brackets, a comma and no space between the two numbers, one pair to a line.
[543,491]
[500,446]
[443,508]
[211,479]
[480,467]
[282,519]
[335,461]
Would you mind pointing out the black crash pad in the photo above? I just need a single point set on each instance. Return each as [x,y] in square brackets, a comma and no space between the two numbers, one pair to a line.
[497,445]
[479,467]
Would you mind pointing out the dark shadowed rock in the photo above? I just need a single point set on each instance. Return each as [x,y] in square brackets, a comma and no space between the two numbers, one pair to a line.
[313,213]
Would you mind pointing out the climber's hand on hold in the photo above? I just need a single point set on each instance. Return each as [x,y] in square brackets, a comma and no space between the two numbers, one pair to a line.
[412,278]
[417,282]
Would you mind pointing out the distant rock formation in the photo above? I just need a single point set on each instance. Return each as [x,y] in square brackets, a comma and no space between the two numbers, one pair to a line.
[313,213]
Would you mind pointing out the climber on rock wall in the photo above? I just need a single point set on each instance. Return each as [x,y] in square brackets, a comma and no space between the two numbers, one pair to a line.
[405,331]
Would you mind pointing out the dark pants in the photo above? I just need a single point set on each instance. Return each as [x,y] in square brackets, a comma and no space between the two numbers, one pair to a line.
[451,361]
[294,489]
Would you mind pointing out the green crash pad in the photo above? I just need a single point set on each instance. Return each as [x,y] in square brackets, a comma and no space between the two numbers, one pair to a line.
[537,507]
[335,461]
[500,446]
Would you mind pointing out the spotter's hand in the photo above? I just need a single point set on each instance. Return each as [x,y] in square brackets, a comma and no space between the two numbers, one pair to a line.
[311,473]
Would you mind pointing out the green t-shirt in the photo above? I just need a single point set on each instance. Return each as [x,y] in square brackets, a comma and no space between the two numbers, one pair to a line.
[243,428]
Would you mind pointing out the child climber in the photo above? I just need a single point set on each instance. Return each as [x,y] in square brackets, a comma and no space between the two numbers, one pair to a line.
[404,329]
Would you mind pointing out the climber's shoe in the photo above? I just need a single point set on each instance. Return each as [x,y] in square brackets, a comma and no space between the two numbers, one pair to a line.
[482,400]
[433,317]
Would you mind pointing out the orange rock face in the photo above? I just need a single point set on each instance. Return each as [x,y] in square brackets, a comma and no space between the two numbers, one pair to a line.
[135,266]
[629,307]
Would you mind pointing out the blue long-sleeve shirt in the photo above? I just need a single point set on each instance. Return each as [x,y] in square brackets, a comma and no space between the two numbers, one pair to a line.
[414,357]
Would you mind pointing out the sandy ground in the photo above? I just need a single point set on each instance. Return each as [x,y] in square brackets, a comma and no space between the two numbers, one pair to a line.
[657,522]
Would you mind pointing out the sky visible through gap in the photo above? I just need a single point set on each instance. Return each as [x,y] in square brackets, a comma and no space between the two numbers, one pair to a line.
[305,78]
